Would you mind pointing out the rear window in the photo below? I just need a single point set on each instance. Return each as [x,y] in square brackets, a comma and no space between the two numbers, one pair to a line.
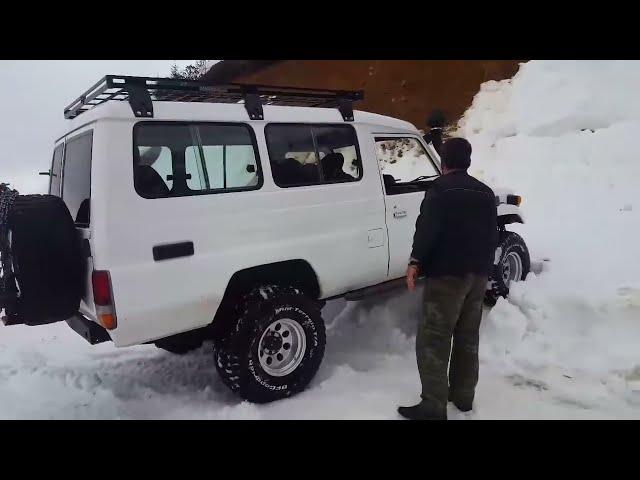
[173,159]
[76,180]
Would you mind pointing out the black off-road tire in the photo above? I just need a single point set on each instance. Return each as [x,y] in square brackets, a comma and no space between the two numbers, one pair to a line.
[510,242]
[237,354]
[47,260]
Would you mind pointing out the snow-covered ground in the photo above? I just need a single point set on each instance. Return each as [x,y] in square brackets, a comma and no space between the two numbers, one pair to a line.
[566,344]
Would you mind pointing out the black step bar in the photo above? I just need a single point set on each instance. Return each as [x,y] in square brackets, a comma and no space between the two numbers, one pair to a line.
[379,289]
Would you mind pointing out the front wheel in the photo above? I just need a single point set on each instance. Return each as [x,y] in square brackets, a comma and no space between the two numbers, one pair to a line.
[276,347]
[513,266]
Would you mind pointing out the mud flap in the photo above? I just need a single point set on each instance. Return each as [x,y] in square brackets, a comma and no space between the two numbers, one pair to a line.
[90,331]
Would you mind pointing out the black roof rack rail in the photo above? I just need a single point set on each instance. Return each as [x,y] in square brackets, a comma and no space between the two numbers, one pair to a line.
[141,92]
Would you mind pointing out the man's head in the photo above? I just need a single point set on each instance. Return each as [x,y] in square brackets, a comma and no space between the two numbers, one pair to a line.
[436,119]
[455,154]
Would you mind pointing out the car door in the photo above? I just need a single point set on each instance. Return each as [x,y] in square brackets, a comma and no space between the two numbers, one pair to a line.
[407,168]
[75,190]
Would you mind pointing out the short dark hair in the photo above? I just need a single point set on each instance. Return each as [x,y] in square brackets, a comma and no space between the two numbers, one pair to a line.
[456,153]
[436,119]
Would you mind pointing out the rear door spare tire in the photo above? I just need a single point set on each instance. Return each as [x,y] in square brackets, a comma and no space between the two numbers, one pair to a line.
[47,260]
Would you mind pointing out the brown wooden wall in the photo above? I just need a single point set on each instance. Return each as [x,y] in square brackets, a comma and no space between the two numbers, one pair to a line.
[407,89]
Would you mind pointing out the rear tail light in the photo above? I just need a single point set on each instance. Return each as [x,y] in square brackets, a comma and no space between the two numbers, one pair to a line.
[101,288]
[103,299]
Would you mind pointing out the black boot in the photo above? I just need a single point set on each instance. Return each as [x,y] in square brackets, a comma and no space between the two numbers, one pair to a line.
[462,405]
[422,411]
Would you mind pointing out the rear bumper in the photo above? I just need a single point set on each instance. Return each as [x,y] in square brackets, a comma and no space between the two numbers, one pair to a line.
[90,331]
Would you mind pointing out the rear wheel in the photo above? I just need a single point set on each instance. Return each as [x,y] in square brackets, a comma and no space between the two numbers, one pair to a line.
[276,346]
[513,266]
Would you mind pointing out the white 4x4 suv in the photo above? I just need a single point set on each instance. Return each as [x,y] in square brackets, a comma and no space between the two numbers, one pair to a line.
[189,212]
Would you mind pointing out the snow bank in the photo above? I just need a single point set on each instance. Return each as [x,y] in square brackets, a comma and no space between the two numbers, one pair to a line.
[564,135]
[551,98]
[579,186]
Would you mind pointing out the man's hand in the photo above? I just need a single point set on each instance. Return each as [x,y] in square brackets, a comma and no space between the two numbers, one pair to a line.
[412,276]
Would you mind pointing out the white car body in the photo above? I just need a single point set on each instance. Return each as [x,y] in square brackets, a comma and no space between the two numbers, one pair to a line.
[352,235]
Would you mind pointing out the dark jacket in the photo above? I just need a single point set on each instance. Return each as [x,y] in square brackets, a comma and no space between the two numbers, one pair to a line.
[456,231]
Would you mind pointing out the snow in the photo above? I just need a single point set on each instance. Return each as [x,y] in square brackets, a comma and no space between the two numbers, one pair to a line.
[564,136]
[565,345]
[369,368]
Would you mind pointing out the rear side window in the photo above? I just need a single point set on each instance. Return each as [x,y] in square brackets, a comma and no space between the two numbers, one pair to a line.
[56,171]
[76,180]
[179,159]
[313,154]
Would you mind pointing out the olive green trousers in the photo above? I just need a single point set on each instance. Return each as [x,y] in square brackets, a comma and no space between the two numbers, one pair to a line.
[453,311]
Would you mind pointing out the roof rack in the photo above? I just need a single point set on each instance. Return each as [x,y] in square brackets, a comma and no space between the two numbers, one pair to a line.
[141,92]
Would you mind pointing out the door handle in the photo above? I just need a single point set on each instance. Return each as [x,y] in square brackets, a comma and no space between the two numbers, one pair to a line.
[173,250]
[400,213]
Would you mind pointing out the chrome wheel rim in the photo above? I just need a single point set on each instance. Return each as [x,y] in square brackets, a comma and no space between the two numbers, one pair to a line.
[512,268]
[282,347]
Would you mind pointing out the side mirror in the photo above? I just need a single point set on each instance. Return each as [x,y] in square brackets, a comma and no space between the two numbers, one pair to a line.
[251,168]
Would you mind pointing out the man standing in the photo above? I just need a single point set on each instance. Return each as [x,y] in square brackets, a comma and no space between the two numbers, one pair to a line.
[454,245]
